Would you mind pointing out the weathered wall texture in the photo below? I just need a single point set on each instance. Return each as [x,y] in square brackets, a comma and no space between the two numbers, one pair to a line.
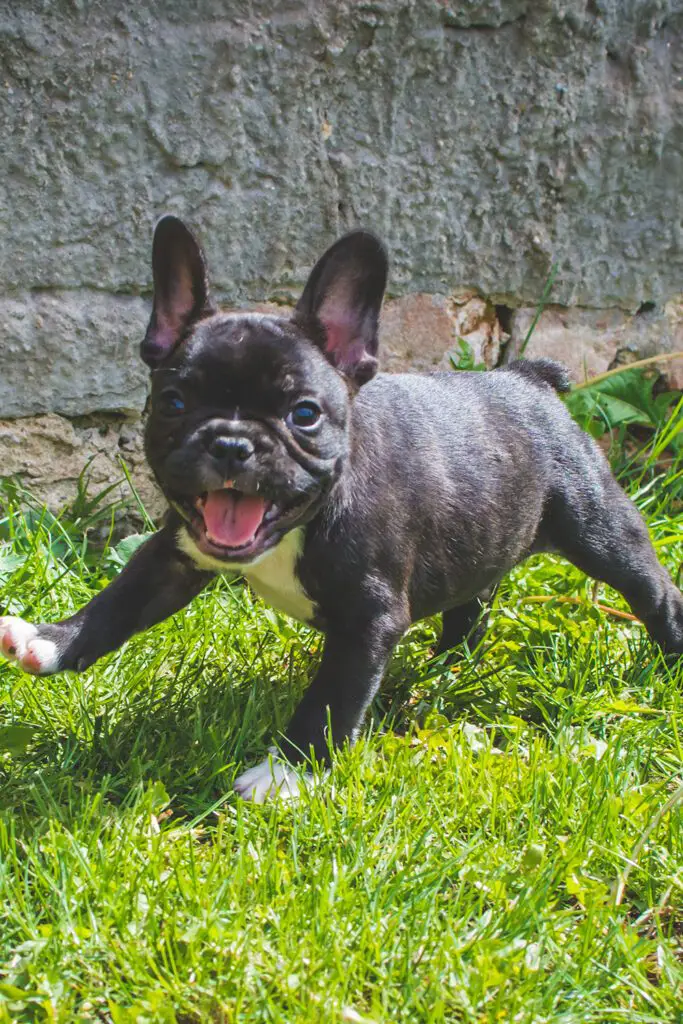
[485,140]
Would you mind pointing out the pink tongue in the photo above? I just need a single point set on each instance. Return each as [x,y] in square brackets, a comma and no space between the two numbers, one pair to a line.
[231,518]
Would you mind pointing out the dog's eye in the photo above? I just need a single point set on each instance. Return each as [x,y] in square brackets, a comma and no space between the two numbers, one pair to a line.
[171,402]
[304,415]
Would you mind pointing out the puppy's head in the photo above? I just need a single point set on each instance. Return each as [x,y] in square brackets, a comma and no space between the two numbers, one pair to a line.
[249,422]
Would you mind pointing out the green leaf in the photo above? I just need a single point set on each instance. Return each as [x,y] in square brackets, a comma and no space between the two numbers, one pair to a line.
[462,357]
[9,563]
[625,398]
[533,856]
[14,739]
[125,549]
[619,410]
[158,796]
[18,995]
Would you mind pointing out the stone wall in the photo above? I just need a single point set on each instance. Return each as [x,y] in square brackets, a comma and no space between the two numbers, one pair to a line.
[485,140]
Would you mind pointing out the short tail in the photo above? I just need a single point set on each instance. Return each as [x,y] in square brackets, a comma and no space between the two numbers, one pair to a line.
[542,371]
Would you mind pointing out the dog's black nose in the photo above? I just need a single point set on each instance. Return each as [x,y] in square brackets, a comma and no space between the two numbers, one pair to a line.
[230,449]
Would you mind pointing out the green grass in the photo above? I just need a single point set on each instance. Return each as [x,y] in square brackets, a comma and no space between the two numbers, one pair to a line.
[461,863]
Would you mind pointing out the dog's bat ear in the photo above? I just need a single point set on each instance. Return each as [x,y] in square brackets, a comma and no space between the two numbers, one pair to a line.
[181,288]
[344,293]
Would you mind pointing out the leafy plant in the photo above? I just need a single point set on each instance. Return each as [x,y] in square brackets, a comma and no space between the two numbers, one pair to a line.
[626,397]
[462,358]
[121,553]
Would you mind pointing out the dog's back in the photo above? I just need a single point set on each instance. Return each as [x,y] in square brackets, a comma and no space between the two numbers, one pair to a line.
[449,475]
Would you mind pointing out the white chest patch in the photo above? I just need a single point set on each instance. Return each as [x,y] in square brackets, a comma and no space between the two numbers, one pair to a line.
[272,576]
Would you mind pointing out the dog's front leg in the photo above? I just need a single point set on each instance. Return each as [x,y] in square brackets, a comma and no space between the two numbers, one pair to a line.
[156,582]
[350,673]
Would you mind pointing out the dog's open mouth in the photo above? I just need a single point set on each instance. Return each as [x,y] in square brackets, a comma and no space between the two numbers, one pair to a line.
[234,523]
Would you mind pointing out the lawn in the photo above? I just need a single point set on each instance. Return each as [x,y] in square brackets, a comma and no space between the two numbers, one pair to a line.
[504,844]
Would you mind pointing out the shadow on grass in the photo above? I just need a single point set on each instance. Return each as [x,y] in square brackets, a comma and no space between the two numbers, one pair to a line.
[192,736]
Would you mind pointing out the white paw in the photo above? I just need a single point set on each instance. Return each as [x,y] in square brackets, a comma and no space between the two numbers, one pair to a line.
[272,779]
[15,634]
[19,641]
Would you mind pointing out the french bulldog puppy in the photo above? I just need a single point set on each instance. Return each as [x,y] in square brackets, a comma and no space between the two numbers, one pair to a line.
[353,500]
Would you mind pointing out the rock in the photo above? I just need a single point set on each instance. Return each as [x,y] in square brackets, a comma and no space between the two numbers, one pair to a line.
[485,140]
[653,331]
[476,322]
[72,353]
[591,341]
[50,454]
[585,340]
[421,332]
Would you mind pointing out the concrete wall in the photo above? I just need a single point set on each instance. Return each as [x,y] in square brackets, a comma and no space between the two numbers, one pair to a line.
[485,140]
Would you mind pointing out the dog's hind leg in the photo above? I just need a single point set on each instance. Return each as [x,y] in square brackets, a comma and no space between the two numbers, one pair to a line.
[465,622]
[599,529]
